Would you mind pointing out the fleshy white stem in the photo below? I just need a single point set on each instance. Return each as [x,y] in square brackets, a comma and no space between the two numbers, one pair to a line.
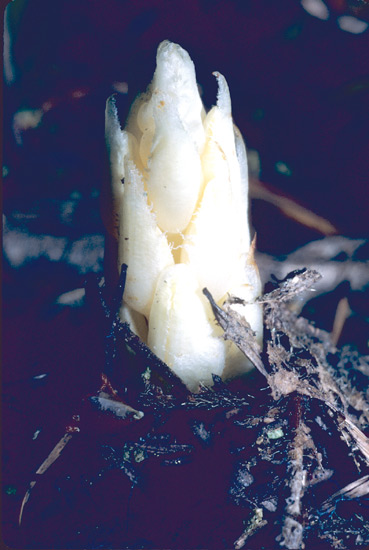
[179,185]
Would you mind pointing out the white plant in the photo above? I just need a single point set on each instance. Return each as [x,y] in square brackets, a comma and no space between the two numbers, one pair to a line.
[180,203]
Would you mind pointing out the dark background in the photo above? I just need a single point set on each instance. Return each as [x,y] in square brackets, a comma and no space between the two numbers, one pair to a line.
[300,90]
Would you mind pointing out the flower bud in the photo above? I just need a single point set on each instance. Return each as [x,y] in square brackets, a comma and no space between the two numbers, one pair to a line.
[180,205]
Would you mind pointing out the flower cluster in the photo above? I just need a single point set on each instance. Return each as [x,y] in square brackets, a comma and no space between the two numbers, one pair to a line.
[180,188]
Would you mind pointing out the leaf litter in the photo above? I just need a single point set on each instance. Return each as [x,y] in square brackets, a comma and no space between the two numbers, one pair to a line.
[305,410]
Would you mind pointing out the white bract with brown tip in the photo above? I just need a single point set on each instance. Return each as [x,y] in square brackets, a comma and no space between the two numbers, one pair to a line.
[180,203]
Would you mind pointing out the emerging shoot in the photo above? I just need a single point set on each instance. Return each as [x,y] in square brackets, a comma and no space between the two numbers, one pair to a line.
[180,208]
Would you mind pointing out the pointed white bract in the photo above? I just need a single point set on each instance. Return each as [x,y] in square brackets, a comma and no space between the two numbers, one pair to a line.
[180,203]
